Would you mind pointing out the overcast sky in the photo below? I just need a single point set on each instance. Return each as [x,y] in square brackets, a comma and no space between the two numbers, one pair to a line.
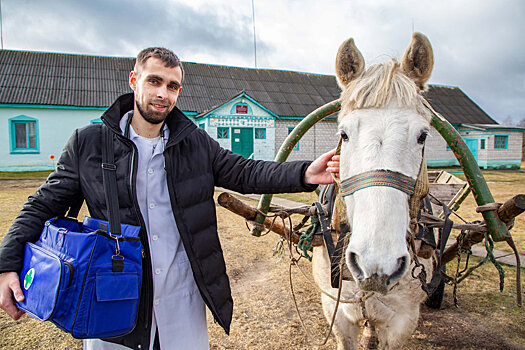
[479,45]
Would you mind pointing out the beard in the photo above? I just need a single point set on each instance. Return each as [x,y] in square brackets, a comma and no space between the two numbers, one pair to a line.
[152,116]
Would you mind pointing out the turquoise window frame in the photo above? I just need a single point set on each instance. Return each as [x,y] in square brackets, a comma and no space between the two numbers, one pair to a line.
[220,136]
[96,121]
[505,137]
[202,126]
[290,129]
[23,119]
[260,133]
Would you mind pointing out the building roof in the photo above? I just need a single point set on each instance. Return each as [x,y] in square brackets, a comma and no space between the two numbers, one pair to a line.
[456,106]
[493,127]
[44,78]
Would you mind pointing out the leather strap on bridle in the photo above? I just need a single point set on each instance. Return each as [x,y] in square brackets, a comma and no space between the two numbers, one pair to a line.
[383,178]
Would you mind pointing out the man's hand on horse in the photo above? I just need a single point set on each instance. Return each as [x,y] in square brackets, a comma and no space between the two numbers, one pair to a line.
[321,170]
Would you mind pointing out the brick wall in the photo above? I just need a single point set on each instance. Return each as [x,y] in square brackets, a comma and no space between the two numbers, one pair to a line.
[319,139]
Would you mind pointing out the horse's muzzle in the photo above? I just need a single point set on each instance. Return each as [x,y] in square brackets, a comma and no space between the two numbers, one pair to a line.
[375,282]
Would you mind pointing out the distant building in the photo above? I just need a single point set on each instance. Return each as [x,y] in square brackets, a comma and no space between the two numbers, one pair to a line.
[45,96]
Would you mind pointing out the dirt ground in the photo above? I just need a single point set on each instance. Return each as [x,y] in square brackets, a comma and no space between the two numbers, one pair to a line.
[264,314]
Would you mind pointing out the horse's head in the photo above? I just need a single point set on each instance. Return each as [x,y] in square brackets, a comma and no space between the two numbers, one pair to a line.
[383,126]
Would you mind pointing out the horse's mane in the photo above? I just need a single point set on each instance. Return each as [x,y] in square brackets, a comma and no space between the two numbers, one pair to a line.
[381,85]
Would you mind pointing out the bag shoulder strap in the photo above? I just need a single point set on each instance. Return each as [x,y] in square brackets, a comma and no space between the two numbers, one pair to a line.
[109,176]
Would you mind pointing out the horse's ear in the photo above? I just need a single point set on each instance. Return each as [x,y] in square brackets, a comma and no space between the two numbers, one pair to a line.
[349,63]
[418,60]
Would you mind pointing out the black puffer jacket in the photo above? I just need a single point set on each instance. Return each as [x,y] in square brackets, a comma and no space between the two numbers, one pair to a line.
[195,163]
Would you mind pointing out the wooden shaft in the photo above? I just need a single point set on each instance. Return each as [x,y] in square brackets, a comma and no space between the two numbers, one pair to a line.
[512,208]
[236,206]
[507,212]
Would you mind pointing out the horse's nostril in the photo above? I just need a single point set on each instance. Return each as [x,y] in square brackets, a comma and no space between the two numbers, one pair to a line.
[354,266]
[402,264]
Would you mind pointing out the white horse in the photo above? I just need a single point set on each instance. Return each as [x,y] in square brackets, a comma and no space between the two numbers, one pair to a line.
[383,125]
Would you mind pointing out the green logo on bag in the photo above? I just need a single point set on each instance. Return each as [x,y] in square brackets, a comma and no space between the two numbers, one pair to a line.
[28,279]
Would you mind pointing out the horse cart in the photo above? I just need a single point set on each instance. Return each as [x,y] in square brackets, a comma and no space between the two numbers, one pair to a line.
[369,247]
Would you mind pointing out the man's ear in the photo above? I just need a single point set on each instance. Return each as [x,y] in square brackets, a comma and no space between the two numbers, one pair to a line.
[133,80]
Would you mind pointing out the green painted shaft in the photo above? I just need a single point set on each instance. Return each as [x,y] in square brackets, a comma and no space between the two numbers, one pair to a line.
[498,230]
[288,145]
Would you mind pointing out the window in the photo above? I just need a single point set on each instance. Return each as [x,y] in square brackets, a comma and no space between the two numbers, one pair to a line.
[223,133]
[500,141]
[24,134]
[260,133]
[290,129]
[482,144]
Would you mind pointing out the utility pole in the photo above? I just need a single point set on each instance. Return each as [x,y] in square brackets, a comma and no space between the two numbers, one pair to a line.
[1,30]
[254,37]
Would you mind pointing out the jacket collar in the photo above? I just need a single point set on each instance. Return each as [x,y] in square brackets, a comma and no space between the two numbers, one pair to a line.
[179,124]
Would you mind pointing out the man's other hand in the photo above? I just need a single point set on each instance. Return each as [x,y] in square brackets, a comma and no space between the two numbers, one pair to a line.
[9,287]
[321,170]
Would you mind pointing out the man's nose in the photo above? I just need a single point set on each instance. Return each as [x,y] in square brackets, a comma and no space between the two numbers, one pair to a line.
[162,92]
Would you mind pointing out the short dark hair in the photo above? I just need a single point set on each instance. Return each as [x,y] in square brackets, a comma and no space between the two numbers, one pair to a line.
[165,55]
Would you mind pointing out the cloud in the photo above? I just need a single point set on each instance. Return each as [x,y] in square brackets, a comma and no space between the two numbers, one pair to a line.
[478,44]
[123,28]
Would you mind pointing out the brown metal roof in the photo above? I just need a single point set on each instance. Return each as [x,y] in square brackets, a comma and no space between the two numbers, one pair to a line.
[94,81]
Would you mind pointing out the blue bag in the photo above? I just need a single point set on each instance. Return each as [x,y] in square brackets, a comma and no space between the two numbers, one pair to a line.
[75,277]
[86,277]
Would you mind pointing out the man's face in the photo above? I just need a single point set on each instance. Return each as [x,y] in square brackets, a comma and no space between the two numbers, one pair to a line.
[156,89]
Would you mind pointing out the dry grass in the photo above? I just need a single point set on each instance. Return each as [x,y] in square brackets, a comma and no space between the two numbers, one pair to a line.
[264,315]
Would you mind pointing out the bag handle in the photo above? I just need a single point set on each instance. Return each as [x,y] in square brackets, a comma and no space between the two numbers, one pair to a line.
[109,176]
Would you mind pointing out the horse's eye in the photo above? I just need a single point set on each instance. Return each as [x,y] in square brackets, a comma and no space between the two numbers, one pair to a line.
[344,136]
[422,137]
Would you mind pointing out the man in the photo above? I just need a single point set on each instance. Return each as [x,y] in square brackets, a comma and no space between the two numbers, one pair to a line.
[166,172]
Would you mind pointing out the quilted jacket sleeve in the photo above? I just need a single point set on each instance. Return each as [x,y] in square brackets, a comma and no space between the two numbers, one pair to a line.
[53,198]
[243,175]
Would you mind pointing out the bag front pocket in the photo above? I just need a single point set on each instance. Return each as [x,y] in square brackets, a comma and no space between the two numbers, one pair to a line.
[114,303]
[40,278]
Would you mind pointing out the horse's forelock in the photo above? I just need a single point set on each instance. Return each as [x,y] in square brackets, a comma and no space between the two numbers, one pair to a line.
[382,84]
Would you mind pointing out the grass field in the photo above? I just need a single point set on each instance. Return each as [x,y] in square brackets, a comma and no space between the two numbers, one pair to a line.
[264,316]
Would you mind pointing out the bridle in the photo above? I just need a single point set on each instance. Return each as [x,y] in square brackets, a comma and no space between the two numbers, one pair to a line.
[416,188]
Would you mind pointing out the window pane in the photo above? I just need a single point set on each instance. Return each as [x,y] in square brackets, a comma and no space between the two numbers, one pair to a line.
[31,128]
[32,141]
[260,133]
[222,133]
[500,141]
[20,135]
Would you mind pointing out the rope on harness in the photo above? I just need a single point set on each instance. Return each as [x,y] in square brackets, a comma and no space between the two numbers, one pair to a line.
[494,207]
[307,237]
[459,276]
